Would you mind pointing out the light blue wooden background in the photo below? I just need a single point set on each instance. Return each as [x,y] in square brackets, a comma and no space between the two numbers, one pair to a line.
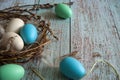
[93,28]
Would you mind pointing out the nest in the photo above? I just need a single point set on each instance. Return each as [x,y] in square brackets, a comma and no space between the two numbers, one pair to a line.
[30,51]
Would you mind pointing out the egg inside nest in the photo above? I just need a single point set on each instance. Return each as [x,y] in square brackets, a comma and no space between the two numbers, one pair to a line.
[12,41]
[21,46]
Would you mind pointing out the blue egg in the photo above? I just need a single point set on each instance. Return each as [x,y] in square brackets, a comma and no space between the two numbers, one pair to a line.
[29,33]
[72,68]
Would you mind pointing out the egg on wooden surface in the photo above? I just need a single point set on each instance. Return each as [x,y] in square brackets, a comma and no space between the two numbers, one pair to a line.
[11,72]
[14,25]
[63,11]
[29,33]
[13,40]
[72,68]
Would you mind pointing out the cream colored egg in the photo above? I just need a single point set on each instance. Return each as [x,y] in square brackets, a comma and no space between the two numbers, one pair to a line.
[2,31]
[14,25]
[13,40]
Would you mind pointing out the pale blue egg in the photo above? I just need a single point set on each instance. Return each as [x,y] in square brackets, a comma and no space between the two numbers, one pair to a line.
[29,33]
[72,68]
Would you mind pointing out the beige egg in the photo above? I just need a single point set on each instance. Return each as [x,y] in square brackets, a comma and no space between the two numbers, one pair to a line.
[2,31]
[14,25]
[13,40]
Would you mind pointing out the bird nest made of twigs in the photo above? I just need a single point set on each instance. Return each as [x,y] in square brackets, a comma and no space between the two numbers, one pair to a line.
[32,50]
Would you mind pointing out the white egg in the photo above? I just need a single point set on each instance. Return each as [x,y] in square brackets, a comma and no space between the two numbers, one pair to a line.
[14,25]
[13,40]
[2,31]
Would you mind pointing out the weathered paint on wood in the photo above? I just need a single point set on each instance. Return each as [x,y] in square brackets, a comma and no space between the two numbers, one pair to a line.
[56,48]
[93,29]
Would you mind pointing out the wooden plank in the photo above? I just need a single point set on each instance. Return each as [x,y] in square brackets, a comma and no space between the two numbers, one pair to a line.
[56,48]
[93,29]
[6,3]
[92,32]
[114,11]
[10,3]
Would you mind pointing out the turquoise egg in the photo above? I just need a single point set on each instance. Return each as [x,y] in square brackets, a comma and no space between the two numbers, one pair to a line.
[11,72]
[72,68]
[29,33]
[63,11]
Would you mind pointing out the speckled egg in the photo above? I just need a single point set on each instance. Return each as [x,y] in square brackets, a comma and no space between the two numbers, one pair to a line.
[63,11]
[13,40]
[14,25]
[29,33]
[72,68]
[11,72]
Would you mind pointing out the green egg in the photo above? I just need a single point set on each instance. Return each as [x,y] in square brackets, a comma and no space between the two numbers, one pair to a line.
[63,11]
[11,72]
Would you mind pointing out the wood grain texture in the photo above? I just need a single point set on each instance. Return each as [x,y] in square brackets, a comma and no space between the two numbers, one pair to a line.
[6,3]
[61,28]
[93,31]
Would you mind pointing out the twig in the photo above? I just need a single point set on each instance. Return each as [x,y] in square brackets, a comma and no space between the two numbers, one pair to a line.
[106,62]
[71,54]
[37,73]
[37,6]
[61,57]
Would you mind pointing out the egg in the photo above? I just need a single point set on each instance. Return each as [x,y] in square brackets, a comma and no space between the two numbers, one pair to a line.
[72,68]
[29,33]
[2,31]
[11,72]
[63,11]
[13,40]
[14,25]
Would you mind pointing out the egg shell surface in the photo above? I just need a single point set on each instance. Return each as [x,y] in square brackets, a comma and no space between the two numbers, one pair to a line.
[63,11]
[29,33]
[11,72]
[14,25]
[14,39]
[2,31]
[72,68]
